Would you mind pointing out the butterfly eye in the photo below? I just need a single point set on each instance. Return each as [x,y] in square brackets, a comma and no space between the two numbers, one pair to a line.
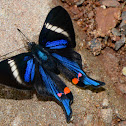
[31,45]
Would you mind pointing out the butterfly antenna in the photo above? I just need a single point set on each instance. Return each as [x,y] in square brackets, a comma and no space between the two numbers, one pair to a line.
[18,48]
[11,52]
[23,35]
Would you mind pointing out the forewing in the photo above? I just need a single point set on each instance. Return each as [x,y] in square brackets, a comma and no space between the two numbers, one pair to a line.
[18,71]
[57,30]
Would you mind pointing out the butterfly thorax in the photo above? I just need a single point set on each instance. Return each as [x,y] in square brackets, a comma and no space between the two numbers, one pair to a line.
[43,57]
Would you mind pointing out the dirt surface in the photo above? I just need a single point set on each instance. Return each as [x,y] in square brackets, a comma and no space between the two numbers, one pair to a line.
[91,107]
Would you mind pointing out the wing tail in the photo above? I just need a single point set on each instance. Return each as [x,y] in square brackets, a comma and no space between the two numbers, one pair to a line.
[92,82]
[55,88]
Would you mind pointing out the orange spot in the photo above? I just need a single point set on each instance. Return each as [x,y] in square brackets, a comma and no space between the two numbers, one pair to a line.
[59,94]
[75,81]
[66,90]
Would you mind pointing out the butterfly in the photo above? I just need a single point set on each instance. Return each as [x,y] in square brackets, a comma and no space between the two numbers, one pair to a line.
[39,68]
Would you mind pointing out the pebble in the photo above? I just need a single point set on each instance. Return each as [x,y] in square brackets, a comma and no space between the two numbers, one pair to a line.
[120,43]
[123,16]
[116,32]
[105,103]
[124,71]
[123,30]
[79,2]
[107,115]
[95,46]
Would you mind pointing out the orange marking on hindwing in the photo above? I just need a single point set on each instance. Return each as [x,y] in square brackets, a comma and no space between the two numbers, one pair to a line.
[66,90]
[76,80]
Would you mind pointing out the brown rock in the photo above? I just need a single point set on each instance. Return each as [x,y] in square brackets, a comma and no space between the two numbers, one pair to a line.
[120,43]
[106,20]
[110,3]
[95,46]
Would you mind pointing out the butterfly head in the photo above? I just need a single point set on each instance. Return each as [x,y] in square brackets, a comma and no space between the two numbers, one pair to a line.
[31,45]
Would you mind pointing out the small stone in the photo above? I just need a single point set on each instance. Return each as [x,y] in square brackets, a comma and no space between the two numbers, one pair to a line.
[107,115]
[105,103]
[79,2]
[123,16]
[95,46]
[80,22]
[120,43]
[116,32]
[123,29]
[124,71]
[110,3]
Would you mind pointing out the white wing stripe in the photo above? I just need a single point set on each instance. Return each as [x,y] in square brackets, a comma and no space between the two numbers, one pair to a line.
[56,29]
[14,70]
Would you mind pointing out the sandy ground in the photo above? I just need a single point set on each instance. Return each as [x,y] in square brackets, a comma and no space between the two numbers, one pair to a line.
[22,108]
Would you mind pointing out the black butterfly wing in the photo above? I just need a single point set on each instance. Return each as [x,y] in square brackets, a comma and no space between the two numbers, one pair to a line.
[25,72]
[68,62]
[49,84]
[73,71]
[18,71]
[57,31]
